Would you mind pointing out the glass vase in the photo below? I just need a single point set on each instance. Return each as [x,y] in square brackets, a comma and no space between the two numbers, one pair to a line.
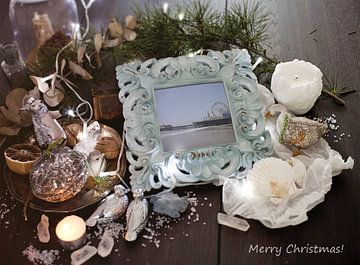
[35,21]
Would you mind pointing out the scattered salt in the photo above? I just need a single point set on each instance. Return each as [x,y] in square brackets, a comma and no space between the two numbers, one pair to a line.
[333,127]
[45,257]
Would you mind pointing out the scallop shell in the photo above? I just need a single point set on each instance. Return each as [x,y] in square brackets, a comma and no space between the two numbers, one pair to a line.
[275,178]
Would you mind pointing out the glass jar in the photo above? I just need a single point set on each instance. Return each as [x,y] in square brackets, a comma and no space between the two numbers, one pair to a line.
[13,67]
[35,21]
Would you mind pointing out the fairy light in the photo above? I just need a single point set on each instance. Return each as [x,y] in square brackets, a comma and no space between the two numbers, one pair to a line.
[70,113]
[165,7]
[181,16]
[75,30]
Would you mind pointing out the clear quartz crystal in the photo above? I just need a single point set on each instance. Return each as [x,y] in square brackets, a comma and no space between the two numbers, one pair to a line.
[82,255]
[58,176]
[106,244]
[233,222]
[43,229]
[170,204]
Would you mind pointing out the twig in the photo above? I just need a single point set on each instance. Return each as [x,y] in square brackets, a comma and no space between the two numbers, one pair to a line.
[335,97]
[312,32]
[26,203]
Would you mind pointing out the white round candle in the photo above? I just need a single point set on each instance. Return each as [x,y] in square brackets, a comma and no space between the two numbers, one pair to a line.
[71,228]
[297,85]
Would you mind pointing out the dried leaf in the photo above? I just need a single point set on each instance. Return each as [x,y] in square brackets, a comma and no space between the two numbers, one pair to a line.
[53,97]
[63,63]
[98,41]
[11,115]
[115,29]
[3,121]
[41,82]
[130,22]
[10,131]
[14,99]
[55,114]
[35,92]
[80,54]
[112,43]
[77,69]
[129,35]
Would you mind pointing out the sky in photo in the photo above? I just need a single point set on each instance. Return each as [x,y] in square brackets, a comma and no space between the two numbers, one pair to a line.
[185,104]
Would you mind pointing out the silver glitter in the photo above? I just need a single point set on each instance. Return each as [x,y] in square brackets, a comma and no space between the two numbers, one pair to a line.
[47,130]
[302,132]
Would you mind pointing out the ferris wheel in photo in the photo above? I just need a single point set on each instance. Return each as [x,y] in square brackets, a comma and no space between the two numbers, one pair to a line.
[219,110]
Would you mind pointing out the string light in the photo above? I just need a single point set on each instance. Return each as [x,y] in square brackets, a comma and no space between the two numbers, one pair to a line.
[181,16]
[70,113]
[165,7]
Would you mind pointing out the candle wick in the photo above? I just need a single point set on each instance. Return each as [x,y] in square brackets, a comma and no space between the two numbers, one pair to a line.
[296,77]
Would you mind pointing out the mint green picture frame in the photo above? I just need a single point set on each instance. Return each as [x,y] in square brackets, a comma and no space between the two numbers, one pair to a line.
[150,167]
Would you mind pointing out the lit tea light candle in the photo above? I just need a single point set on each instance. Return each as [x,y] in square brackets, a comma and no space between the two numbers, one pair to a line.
[71,232]
[297,85]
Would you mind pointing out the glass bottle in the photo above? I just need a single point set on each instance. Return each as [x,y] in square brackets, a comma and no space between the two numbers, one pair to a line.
[35,21]
[13,67]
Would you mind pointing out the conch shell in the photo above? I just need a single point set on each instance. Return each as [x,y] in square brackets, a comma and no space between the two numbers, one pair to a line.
[275,178]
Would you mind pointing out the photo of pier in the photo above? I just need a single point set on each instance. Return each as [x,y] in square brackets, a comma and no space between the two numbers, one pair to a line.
[193,116]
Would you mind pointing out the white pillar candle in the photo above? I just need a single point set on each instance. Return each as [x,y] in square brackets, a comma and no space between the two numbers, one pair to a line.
[297,85]
[71,232]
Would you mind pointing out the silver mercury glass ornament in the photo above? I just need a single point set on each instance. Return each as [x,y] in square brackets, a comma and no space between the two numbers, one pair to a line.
[110,208]
[136,215]
[47,130]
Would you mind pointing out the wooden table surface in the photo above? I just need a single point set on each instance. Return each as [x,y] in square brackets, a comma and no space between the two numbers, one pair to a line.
[335,222]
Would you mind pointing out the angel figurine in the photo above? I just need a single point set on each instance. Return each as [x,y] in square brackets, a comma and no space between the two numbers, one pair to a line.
[47,129]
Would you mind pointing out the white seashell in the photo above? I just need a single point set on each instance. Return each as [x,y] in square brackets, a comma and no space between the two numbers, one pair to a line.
[275,178]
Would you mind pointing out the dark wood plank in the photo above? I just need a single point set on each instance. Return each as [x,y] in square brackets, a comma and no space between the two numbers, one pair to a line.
[336,221]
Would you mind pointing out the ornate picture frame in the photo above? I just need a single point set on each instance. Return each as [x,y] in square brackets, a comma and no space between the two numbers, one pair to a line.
[150,166]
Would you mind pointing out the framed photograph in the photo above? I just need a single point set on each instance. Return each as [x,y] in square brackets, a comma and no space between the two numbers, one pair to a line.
[191,119]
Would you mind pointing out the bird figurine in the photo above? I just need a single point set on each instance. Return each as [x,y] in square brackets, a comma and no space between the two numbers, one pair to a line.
[136,215]
[110,208]
[47,129]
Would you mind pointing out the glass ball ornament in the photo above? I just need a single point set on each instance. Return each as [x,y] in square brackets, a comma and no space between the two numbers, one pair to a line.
[58,176]
[35,21]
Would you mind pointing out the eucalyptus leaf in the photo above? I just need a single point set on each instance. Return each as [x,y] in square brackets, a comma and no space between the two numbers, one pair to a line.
[130,22]
[14,99]
[77,69]
[115,29]
[80,54]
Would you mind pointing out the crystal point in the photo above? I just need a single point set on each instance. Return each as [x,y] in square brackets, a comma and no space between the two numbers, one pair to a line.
[233,222]
[82,255]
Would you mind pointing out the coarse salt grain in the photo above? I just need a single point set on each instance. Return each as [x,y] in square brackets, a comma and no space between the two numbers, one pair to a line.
[333,127]
[45,257]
